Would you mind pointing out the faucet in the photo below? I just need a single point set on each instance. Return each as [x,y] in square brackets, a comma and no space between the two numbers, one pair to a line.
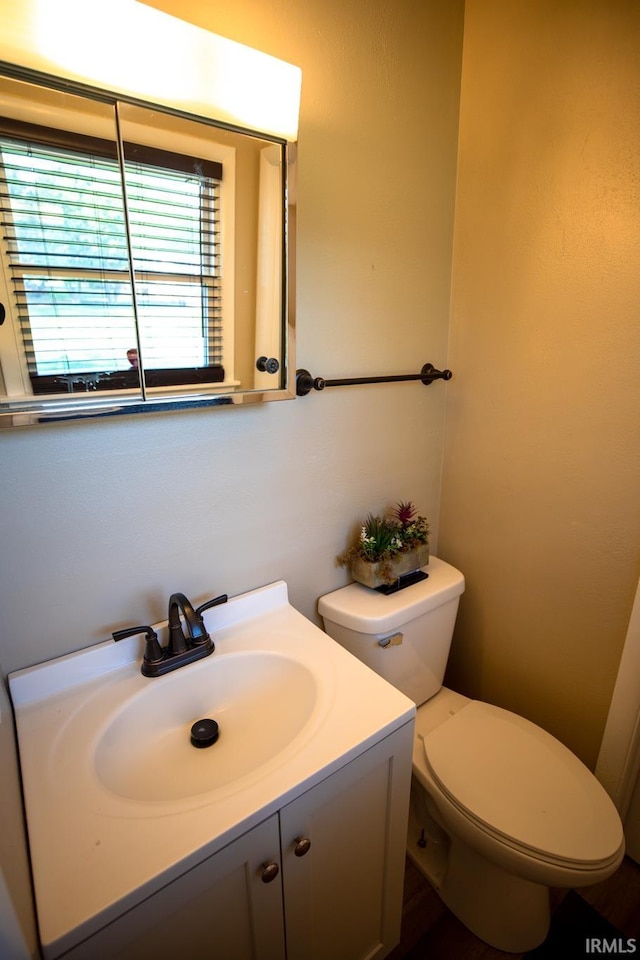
[180,650]
[179,605]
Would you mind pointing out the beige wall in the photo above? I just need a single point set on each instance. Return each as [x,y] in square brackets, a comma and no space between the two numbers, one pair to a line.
[541,485]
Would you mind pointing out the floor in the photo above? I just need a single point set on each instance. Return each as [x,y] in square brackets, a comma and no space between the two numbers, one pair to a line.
[431,932]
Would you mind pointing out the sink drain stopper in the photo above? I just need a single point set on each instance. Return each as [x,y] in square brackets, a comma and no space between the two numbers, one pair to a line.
[204,733]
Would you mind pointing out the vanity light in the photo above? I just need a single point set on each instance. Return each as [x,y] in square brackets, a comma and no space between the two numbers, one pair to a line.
[140,52]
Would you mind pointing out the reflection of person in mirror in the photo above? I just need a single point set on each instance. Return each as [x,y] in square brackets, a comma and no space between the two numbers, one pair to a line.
[132,357]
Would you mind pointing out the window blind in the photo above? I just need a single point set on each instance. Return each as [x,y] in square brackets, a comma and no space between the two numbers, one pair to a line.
[64,231]
[174,224]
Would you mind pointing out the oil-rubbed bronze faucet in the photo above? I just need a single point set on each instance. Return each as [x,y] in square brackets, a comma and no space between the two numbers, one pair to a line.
[180,649]
[180,608]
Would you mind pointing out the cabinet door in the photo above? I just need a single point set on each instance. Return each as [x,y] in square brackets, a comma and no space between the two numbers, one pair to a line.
[220,910]
[343,898]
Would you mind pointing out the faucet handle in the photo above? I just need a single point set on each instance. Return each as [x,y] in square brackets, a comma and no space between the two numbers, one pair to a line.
[200,636]
[211,603]
[153,651]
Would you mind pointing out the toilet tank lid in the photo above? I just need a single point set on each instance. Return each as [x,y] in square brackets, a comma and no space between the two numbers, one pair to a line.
[360,608]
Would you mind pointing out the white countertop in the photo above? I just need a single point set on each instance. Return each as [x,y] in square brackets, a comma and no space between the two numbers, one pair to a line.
[96,853]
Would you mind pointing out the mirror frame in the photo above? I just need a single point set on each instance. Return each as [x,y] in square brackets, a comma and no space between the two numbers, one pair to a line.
[29,411]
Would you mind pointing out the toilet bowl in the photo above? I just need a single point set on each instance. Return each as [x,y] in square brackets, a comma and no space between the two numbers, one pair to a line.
[500,810]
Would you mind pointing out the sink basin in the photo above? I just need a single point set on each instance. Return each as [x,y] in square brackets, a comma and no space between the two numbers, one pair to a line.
[260,700]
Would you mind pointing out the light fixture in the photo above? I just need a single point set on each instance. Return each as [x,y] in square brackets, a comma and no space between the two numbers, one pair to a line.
[134,50]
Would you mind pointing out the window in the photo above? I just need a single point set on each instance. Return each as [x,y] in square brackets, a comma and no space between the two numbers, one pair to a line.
[67,254]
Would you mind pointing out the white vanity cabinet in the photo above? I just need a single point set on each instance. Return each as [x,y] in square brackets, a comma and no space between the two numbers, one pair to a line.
[339,849]
[343,899]
[219,910]
[164,854]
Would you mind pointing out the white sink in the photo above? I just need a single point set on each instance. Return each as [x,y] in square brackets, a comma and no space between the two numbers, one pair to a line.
[261,701]
[119,802]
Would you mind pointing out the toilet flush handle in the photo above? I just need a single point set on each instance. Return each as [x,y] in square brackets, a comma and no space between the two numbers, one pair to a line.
[393,640]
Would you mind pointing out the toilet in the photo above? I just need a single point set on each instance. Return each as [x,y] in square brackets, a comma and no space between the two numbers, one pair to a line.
[500,810]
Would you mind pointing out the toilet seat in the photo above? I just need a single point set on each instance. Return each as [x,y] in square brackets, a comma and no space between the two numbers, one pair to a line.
[521,785]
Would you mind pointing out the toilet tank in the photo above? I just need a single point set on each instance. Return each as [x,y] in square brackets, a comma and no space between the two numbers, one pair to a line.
[403,636]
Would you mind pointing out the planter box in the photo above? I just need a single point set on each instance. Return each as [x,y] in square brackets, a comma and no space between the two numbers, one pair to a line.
[388,571]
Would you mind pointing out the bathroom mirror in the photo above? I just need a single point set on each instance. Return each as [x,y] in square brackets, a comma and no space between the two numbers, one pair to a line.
[147,256]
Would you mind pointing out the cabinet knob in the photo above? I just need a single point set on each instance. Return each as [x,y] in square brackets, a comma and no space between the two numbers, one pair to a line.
[269,872]
[303,845]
